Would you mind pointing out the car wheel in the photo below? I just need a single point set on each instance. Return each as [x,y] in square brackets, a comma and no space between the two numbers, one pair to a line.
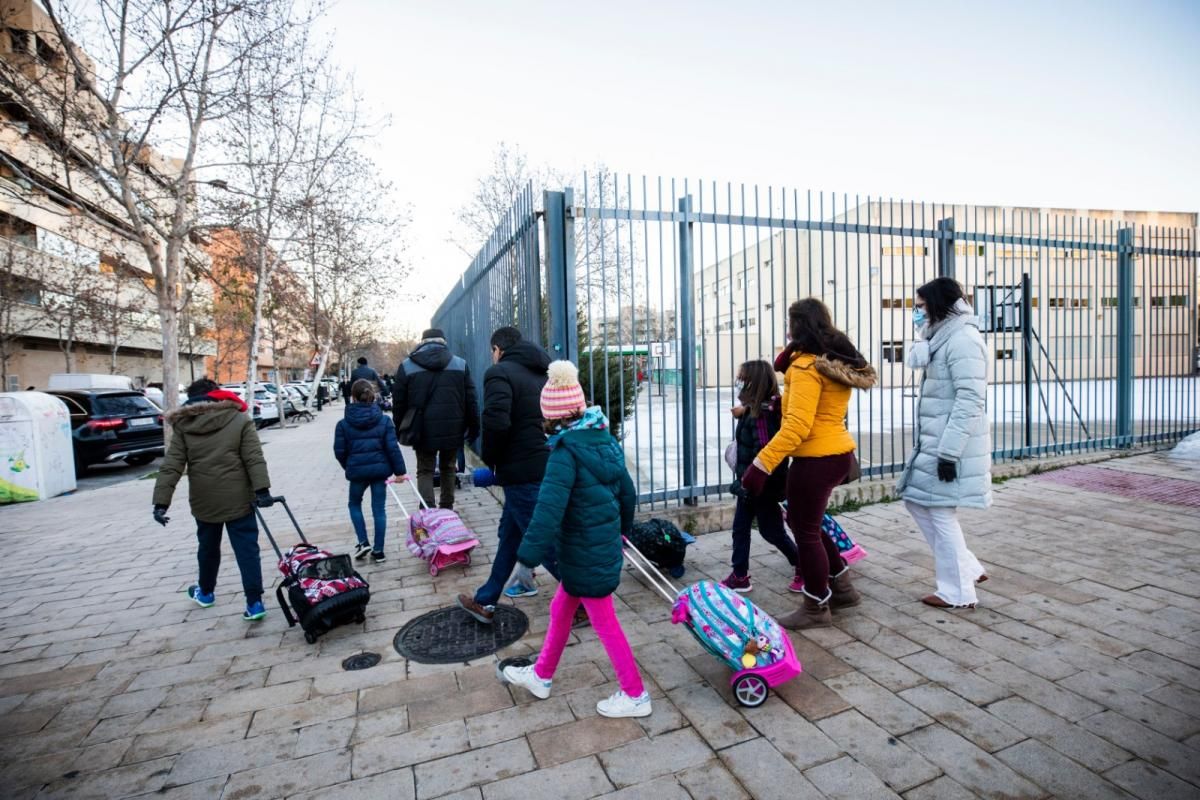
[140,460]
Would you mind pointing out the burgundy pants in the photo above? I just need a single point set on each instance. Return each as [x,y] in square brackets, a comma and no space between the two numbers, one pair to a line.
[810,481]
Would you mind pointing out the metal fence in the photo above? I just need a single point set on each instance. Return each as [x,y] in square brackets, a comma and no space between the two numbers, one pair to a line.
[660,288]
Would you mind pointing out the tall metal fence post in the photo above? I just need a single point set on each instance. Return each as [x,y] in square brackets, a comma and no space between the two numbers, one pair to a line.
[945,251]
[1125,337]
[687,346]
[1027,352]
[562,336]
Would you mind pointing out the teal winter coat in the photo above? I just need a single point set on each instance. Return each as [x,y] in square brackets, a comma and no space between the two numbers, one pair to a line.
[586,502]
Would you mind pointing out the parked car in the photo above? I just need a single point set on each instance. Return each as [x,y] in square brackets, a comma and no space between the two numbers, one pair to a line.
[112,425]
[155,392]
[263,408]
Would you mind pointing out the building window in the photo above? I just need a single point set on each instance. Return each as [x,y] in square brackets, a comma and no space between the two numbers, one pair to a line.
[1004,354]
[19,40]
[27,292]
[969,249]
[18,230]
[1113,302]
[896,302]
[893,352]
[906,250]
[14,383]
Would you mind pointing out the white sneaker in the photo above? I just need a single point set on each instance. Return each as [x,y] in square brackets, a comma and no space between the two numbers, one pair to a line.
[525,676]
[622,705]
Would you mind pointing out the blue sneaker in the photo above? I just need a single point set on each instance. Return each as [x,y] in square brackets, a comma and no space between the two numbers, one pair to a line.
[254,611]
[518,590]
[203,600]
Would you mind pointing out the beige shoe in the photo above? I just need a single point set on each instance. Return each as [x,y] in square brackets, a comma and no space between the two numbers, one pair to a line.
[811,614]
[844,593]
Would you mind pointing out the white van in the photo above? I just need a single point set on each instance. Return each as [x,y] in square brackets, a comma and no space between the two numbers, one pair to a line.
[82,380]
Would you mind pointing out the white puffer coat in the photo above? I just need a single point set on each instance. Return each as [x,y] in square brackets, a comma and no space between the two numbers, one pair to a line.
[952,418]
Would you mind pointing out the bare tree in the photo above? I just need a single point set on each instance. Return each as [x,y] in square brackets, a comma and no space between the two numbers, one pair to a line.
[164,72]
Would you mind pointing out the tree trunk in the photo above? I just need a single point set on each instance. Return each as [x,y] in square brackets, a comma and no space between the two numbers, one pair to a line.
[169,319]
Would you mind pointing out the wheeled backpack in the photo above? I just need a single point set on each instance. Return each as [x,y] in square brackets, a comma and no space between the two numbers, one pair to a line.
[322,589]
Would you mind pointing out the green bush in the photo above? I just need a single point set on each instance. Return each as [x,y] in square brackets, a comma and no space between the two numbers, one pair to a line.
[611,373]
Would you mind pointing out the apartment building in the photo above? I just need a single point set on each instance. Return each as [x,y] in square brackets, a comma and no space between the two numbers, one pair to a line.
[285,345]
[869,280]
[69,275]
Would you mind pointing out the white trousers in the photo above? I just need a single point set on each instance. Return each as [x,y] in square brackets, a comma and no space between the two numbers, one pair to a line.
[955,567]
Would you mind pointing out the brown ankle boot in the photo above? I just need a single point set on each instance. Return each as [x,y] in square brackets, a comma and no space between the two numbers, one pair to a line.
[844,593]
[811,614]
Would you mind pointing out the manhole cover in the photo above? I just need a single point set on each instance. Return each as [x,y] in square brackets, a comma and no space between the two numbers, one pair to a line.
[361,661]
[451,636]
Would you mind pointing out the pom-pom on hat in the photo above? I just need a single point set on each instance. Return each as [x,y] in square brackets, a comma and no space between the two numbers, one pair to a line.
[562,396]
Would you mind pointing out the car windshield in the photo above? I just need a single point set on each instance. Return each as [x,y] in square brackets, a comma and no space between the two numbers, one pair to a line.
[123,405]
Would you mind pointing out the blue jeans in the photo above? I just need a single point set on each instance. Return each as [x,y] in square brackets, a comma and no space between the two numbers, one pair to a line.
[243,538]
[519,502]
[378,511]
[770,526]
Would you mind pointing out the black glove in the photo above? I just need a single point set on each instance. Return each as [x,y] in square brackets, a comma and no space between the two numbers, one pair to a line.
[263,499]
[947,471]
[160,515]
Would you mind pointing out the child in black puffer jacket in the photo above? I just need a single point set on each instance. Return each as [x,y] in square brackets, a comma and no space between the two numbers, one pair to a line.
[366,447]
[758,417]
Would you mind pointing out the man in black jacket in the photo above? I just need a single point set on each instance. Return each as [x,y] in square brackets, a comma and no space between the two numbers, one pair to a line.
[436,387]
[514,446]
[364,373]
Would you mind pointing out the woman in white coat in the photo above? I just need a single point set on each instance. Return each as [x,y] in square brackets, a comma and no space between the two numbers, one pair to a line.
[950,465]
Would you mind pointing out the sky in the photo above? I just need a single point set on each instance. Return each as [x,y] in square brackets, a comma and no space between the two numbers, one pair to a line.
[1064,104]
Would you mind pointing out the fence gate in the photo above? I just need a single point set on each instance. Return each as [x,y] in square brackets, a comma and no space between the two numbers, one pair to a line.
[659,289]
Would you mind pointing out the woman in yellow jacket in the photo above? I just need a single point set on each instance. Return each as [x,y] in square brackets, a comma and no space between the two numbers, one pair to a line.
[820,367]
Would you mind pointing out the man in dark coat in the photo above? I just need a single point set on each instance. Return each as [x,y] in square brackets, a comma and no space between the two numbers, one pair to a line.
[364,373]
[322,395]
[514,446]
[436,386]
[214,441]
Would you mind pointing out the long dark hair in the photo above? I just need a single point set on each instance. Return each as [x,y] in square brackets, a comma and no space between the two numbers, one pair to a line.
[940,295]
[811,330]
[761,385]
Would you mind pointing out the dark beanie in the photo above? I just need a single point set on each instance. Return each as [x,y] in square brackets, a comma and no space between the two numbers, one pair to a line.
[433,333]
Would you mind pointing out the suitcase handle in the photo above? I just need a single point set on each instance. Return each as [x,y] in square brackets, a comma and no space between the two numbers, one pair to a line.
[280,500]
[391,484]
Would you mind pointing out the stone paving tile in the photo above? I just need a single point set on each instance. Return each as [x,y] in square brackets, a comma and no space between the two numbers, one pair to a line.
[1102,689]
[942,788]
[1041,692]
[1149,782]
[581,738]
[642,761]
[1162,751]
[798,740]
[581,777]
[713,718]
[383,754]
[665,788]
[970,766]
[290,777]
[955,678]
[1057,773]
[884,670]
[964,718]
[480,766]
[711,781]
[897,764]
[887,710]
[394,785]
[846,779]
[766,774]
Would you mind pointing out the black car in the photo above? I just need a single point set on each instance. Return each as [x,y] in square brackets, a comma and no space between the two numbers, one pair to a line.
[112,425]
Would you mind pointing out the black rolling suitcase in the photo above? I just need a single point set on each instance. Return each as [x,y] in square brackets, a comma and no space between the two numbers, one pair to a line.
[323,590]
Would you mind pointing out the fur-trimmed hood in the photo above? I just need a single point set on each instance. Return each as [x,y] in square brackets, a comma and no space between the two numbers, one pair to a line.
[840,371]
[205,416]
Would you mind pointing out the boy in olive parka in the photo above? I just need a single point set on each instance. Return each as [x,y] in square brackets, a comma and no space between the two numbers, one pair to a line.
[217,445]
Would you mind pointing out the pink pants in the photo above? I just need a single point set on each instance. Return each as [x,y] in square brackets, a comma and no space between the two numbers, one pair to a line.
[608,630]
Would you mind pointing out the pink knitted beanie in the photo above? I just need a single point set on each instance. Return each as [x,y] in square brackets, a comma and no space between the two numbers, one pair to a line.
[562,395]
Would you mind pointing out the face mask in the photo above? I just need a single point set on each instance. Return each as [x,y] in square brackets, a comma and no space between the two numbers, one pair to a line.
[740,386]
[919,317]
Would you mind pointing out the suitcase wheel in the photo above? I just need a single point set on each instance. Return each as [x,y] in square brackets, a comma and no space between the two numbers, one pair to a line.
[310,637]
[467,559]
[433,569]
[360,618]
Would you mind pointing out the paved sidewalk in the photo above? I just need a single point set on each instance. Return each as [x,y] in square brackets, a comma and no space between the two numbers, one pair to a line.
[1079,677]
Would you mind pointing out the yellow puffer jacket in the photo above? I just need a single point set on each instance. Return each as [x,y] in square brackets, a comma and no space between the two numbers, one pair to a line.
[816,396]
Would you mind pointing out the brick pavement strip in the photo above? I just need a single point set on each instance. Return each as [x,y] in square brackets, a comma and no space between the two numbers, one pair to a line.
[143,693]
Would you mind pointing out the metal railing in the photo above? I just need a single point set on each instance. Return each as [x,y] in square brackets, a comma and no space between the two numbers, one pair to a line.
[661,288]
